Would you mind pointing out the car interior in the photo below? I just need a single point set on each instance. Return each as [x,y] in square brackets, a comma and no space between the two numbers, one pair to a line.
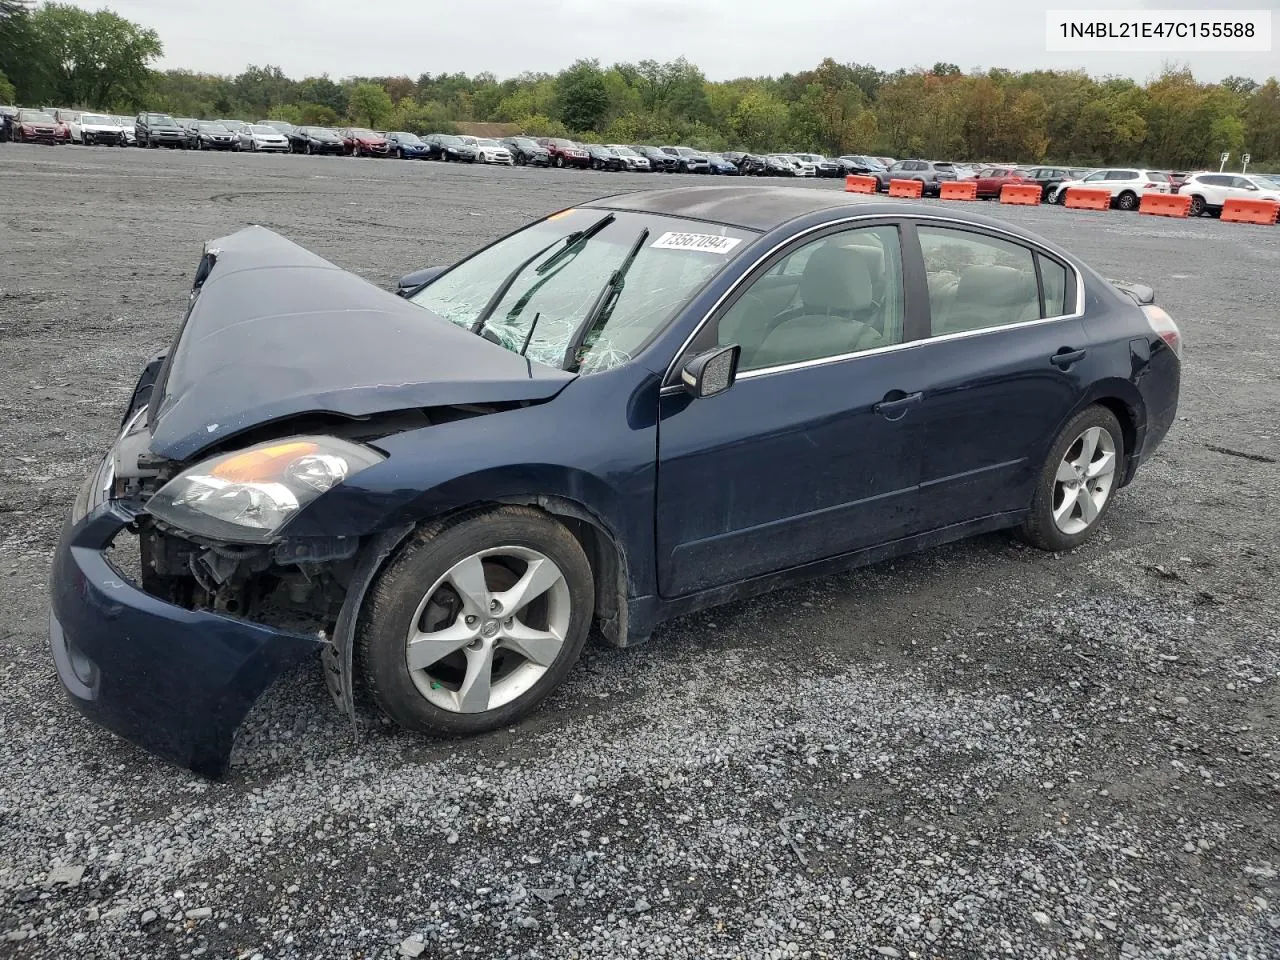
[843,294]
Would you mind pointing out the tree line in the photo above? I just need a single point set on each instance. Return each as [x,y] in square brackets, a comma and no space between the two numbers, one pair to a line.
[63,55]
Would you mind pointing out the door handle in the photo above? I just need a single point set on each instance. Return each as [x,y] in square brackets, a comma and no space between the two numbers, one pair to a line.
[1064,358]
[896,408]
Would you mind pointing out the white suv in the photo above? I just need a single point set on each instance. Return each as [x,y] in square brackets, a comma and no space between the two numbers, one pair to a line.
[1125,183]
[1209,191]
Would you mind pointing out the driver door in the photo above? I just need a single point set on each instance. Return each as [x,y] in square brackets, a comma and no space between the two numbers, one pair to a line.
[815,450]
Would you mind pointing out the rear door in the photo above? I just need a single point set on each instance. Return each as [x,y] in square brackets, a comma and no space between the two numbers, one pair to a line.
[1000,375]
[815,449]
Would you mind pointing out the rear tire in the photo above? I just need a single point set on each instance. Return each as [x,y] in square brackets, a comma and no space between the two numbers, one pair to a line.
[1197,207]
[1055,524]
[1127,200]
[444,584]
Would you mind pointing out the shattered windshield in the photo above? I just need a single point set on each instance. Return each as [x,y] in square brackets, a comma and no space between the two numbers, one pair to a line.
[560,283]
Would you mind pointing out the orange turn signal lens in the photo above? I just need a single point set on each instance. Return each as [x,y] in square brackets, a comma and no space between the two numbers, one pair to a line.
[264,463]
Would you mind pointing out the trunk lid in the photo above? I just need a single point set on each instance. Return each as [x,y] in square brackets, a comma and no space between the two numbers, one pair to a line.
[274,331]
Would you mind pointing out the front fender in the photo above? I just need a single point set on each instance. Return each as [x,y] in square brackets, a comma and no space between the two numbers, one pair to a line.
[594,446]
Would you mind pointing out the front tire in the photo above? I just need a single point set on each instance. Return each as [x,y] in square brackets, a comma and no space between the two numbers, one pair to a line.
[1078,482]
[476,621]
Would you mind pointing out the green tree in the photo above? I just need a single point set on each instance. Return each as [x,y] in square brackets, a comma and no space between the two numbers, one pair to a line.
[760,121]
[97,60]
[323,91]
[263,88]
[22,60]
[581,95]
[7,92]
[1263,123]
[369,104]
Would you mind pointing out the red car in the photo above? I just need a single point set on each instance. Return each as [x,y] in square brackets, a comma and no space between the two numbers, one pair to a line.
[359,142]
[36,126]
[990,180]
[565,153]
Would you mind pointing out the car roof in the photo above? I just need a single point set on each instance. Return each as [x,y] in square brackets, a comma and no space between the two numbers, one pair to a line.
[756,207]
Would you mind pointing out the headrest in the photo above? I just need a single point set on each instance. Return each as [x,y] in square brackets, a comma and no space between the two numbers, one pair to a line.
[835,279]
[996,286]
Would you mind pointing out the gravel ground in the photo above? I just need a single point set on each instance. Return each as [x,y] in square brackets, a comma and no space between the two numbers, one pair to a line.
[979,751]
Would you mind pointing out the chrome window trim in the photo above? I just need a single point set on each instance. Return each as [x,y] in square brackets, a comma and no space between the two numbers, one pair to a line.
[875,351]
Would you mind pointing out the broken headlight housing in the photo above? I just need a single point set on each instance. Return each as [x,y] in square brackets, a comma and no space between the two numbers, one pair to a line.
[249,495]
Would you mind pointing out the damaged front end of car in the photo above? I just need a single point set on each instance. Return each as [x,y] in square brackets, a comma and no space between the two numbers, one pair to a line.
[180,588]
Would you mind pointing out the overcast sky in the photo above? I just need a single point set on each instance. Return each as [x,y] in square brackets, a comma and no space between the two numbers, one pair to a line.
[726,38]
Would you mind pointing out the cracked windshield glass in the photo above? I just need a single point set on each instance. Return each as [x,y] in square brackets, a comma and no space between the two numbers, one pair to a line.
[584,289]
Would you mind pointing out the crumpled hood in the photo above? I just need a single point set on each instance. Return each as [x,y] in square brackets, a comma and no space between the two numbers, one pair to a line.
[275,331]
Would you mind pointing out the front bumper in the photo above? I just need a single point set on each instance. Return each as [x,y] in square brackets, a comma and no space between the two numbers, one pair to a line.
[174,681]
[44,136]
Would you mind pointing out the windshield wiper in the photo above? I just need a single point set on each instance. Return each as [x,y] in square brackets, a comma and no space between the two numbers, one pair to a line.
[569,241]
[603,303]
[576,240]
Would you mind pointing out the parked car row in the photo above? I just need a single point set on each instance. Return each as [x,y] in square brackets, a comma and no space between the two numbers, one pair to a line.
[1208,190]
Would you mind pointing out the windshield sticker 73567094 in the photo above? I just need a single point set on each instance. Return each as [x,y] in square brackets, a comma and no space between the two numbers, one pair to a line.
[697,242]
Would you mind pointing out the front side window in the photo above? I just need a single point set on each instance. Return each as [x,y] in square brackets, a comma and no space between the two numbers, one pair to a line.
[610,292]
[831,297]
[977,281]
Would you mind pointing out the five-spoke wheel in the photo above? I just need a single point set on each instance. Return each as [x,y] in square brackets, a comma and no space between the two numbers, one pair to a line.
[1078,481]
[476,620]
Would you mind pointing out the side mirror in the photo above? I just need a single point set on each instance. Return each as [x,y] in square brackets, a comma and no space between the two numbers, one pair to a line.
[411,281]
[712,372]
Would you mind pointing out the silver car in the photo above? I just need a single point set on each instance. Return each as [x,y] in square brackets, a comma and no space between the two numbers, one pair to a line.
[259,138]
[489,151]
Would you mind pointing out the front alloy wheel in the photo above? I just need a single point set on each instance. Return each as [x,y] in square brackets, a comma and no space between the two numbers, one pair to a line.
[1077,483]
[505,613]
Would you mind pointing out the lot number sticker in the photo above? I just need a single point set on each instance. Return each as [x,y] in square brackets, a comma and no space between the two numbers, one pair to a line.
[699,242]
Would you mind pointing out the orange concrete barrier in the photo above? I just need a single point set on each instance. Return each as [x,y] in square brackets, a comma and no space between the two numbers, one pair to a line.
[958,190]
[906,188]
[1088,198]
[1027,194]
[855,183]
[1165,204]
[1248,211]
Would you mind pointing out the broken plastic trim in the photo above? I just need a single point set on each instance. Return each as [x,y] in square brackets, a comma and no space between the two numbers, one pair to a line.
[338,656]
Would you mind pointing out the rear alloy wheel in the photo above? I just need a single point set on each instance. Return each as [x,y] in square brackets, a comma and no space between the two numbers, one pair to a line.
[560,162]
[1077,483]
[506,611]
[1197,207]
[1127,200]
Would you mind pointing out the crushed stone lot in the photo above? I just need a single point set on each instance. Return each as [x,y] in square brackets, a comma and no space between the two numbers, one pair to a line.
[979,751]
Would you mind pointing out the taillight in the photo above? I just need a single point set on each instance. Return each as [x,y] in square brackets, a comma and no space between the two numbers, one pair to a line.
[1164,327]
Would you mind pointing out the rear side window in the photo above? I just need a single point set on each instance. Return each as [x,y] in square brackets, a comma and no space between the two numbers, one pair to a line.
[977,281]
[1053,281]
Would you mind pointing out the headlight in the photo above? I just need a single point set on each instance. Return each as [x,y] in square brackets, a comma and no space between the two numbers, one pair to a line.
[248,495]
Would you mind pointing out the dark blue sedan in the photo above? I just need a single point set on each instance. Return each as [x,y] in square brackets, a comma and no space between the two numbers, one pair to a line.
[629,410]
[407,146]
